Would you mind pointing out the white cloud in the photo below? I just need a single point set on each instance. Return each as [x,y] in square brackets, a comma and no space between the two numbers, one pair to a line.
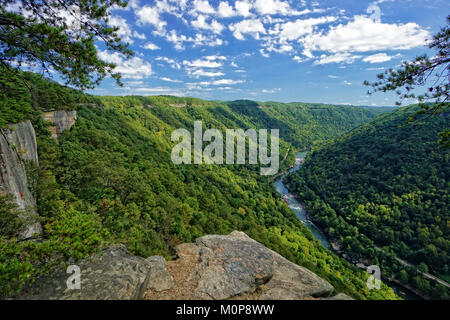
[201,23]
[283,36]
[196,68]
[226,82]
[204,73]
[170,80]
[377,58]
[225,10]
[134,68]
[264,53]
[171,62]
[344,57]
[216,57]
[209,41]
[199,40]
[252,26]
[293,30]
[279,7]
[135,83]
[280,49]
[298,59]
[272,7]
[150,15]
[177,40]
[364,34]
[151,46]
[124,31]
[308,53]
[206,63]
[203,6]
[243,8]
[271,90]
[220,82]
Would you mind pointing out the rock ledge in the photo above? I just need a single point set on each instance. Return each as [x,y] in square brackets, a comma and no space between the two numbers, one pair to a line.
[215,267]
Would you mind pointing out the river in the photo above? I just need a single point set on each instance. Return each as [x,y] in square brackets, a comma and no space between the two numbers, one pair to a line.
[295,205]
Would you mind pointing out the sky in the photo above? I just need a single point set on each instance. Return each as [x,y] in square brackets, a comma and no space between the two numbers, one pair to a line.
[269,50]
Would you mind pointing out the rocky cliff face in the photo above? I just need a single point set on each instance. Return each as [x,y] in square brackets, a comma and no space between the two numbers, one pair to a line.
[215,267]
[60,120]
[18,144]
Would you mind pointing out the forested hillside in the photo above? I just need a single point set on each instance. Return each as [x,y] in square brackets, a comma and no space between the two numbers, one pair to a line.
[24,94]
[110,180]
[385,184]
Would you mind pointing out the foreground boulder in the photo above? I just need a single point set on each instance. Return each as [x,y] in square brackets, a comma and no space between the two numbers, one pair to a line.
[214,267]
[231,265]
[236,265]
[113,274]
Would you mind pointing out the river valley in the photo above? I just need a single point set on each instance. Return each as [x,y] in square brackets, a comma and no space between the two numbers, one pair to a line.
[295,205]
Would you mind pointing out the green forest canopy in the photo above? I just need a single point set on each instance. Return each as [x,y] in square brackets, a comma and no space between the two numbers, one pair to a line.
[385,183]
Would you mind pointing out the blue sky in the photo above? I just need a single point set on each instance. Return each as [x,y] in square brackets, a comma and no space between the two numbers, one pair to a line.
[278,50]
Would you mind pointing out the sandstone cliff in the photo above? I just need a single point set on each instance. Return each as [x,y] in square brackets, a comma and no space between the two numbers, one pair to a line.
[215,267]
[18,144]
[60,120]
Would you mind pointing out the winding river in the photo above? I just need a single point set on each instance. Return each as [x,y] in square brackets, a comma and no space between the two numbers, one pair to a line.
[295,205]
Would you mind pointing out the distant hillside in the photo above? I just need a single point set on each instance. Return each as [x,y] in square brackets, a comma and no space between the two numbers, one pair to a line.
[305,124]
[385,183]
[300,124]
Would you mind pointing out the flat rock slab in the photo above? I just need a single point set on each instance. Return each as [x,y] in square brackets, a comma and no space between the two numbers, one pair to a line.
[159,278]
[236,265]
[113,274]
[231,265]
[293,282]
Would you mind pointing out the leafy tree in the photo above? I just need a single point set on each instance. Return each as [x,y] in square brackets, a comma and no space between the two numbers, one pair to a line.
[60,35]
[423,267]
[403,277]
[10,221]
[15,99]
[430,72]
